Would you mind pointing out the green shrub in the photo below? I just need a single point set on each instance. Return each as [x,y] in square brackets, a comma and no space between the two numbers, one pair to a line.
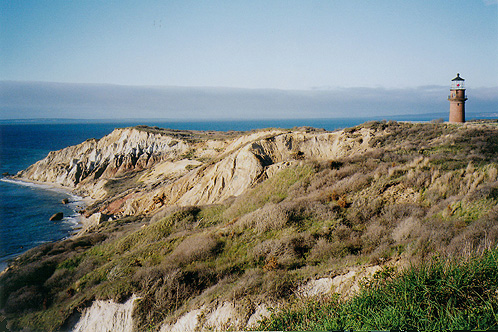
[70,263]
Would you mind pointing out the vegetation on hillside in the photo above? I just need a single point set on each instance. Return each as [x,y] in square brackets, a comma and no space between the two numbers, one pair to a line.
[423,191]
[440,294]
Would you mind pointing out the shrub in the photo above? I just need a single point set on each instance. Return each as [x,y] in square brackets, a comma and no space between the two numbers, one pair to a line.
[342,202]
[197,247]
[374,235]
[59,280]
[182,219]
[478,237]
[277,284]
[393,214]
[27,298]
[407,229]
[24,279]
[323,250]
[164,212]
[288,252]
[269,217]
[360,211]
[249,283]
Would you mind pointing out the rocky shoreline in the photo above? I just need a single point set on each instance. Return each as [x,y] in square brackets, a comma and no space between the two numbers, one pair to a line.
[83,201]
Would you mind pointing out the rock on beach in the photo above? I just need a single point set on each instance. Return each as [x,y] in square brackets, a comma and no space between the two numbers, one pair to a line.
[56,217]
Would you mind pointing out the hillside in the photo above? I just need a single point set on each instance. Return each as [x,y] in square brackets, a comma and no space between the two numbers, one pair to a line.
[211,230]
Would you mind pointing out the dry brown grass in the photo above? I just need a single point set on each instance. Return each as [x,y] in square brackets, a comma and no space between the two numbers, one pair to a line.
[269,217]
[197,247]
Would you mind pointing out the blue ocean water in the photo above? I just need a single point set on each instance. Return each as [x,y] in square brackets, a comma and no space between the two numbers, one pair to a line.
[25,209]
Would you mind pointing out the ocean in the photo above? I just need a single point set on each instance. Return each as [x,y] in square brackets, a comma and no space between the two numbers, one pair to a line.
[25,208]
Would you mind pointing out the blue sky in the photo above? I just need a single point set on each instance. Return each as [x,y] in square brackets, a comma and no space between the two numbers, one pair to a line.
[287,45]
[251,44]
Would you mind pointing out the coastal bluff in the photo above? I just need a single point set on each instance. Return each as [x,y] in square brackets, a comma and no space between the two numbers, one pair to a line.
[141,169]
[207,230]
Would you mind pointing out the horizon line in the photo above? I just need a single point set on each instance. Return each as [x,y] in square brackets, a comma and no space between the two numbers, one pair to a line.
[312,88]
[221,119]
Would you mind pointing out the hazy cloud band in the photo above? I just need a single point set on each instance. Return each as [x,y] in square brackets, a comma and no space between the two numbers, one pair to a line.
[86,101]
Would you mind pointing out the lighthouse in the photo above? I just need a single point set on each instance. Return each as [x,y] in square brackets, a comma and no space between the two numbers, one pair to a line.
[457,100]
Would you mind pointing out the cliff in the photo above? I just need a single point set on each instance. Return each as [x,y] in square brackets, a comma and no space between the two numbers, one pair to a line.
[209,230]
[138,170]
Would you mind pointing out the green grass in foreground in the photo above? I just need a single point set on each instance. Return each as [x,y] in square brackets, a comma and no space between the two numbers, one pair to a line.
[438,295]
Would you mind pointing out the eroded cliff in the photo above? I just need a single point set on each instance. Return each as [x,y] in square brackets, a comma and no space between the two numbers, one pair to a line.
[139,170]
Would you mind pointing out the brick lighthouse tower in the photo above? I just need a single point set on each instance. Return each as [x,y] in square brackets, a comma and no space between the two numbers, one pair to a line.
[457,100]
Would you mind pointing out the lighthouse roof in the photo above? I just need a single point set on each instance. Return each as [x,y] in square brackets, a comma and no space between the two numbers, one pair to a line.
[458,78]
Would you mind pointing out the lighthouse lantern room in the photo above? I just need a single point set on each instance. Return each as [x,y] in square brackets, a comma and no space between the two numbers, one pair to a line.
[457,83]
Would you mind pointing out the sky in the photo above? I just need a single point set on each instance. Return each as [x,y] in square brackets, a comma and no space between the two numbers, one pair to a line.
[286,47]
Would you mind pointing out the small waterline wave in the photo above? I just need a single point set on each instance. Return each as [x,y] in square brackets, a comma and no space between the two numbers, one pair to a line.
[42,186]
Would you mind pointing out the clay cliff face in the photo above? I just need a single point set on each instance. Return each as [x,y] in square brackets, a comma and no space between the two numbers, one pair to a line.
[139,170]
[121,151]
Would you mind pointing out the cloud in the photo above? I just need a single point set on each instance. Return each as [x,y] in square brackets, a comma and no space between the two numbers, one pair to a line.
[90,101]
[490,2]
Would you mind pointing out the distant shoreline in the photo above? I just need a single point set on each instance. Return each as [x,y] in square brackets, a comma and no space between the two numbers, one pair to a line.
[152,121]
